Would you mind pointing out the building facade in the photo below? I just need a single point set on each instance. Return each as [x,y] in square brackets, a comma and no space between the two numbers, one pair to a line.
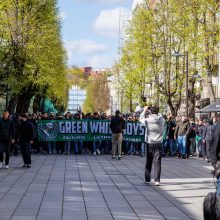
[76,99]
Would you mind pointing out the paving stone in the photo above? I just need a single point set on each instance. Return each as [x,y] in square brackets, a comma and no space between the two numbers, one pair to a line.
[23,217]
[88,187]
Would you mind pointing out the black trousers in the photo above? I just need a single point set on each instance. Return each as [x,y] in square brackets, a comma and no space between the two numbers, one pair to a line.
[153,155]
[5,147]
[26,152]
[208,146]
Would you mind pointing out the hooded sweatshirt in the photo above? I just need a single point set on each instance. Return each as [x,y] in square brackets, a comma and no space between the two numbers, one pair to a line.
[154,128]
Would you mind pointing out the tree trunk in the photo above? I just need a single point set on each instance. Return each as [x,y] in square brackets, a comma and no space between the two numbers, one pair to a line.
[173,109]
[24,101]
[191,98]
[12,104]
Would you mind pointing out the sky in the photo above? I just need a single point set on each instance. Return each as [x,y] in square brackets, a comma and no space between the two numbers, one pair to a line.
[90,30]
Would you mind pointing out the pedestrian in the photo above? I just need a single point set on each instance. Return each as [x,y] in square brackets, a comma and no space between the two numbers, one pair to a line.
[181,132]
[154,123]
[199,135]
[170,136]
[27,136]
[208,135]
[7,137]
[191,139]
[117,126]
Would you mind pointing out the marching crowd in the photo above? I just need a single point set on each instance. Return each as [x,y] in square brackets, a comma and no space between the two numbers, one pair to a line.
[182,137]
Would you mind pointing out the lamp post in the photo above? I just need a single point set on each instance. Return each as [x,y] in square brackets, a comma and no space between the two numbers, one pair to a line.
[187,84]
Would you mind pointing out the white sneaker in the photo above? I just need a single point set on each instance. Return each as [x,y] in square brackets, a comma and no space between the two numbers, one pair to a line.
[6,167]
[94,153]
[157,183]
[1,165]
[98,151]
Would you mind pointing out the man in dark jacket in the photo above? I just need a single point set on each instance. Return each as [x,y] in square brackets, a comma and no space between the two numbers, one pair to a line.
[27,136]
[7,135]
[208,137]
[170,135]
[117,126]
[214,153]
[181,132]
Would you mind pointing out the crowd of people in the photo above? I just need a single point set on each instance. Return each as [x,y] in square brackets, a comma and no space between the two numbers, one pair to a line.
[186,137]
[182,137]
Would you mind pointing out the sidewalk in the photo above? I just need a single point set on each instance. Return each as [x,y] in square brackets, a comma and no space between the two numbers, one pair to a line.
[99,188]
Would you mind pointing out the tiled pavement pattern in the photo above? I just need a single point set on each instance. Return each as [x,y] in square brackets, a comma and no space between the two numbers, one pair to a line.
[99,188]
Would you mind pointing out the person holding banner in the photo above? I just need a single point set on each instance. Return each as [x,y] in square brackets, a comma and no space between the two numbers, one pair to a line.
[154,123]
[117,126]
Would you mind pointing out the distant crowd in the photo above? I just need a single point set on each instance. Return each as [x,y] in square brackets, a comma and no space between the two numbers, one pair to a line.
[76,147]
[180,135]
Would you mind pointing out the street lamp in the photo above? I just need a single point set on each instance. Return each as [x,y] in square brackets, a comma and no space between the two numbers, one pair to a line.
[177,54]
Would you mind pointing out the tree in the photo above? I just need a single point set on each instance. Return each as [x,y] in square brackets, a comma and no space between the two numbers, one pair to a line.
[34,53]
[156,32]
[97,99]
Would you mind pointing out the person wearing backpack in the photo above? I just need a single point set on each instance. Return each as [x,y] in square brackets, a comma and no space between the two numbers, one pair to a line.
[208,135]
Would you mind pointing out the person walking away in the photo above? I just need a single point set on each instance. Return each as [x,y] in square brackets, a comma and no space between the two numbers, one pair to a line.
[181,132]
[204,152]
[191,139]
[154,123]
[27,136]
[170,135]
[214,153]
[208,135]
[117,126]
[199,135]
[7,137]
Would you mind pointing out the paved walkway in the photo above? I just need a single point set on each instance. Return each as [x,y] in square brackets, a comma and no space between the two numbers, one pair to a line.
[99,188]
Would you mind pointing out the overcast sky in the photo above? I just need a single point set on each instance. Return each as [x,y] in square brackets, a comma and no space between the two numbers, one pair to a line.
[90,30]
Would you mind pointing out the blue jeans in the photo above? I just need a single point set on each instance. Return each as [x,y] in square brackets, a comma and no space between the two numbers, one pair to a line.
[67,147]
[172,146]
[52,147]
[96,145]
[77,146]
[164,146]
[130,147]
[142,148]
[182,144]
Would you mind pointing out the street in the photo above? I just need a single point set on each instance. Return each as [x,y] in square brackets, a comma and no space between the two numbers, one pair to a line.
[97,187]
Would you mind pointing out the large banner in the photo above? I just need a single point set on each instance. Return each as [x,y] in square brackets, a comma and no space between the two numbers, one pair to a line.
[86,130]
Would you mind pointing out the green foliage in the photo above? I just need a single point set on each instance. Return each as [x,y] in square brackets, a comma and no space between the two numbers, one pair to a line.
[97,99]
[31,49]
[154,34]
[76,76]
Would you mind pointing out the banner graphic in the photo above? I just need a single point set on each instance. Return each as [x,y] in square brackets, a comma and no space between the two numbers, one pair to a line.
[86,130]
